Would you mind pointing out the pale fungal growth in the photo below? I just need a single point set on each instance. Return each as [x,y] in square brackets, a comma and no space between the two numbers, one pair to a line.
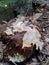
[43,29]
[32,36]
[24,40]
[47,39]
[18,58]
[8,31]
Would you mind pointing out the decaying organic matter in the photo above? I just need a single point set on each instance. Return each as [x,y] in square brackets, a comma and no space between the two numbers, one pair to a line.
[22,39]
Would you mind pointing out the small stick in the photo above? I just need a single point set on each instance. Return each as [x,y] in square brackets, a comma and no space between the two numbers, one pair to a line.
[4,22]
[44,53]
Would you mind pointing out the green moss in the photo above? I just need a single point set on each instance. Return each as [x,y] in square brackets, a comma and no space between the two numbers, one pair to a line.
[7,7]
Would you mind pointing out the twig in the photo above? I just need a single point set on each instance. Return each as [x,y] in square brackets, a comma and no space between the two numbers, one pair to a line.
[44,53]
[27,12]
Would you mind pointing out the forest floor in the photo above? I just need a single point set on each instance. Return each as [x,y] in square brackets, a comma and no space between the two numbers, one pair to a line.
[42,21]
